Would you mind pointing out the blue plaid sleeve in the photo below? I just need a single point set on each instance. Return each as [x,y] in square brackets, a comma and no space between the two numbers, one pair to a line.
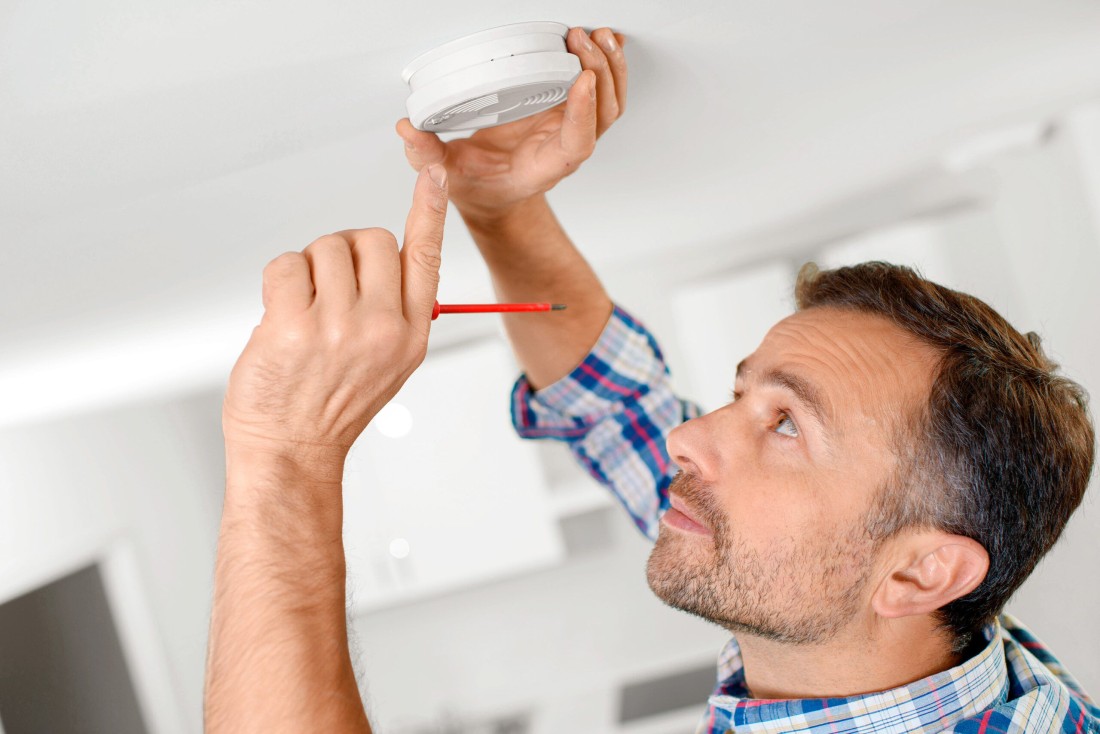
[614,410]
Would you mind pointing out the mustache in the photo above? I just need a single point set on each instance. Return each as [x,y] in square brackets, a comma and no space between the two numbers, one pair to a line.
[698,498]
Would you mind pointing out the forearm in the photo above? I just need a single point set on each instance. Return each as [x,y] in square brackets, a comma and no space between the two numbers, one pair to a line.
[278,658]
[531,258]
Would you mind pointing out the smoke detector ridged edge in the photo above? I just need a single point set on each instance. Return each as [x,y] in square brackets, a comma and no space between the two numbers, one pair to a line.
[491,77]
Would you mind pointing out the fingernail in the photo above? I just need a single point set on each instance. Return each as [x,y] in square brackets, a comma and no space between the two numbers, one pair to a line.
[438,174]
[592,87]
[586,41]
[608,43]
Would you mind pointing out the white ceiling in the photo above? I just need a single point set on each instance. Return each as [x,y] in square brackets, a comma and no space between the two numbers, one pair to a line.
[157,153]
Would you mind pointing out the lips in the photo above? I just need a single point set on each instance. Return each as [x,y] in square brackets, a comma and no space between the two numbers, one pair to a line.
[679,516]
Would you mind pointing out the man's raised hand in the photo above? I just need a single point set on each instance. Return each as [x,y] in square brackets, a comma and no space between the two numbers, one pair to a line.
[345,323]
[499,167]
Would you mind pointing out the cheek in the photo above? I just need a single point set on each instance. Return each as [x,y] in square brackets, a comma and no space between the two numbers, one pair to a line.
[773,508]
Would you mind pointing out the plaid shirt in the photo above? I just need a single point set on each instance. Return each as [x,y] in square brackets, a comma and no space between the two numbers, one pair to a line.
[616,409]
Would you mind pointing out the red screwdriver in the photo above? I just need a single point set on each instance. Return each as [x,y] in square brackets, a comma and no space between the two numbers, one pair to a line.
[493,308]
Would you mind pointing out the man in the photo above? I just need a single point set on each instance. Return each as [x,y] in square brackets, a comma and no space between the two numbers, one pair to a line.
[895,461]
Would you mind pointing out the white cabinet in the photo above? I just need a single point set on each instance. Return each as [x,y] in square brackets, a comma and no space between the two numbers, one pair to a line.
[439,492]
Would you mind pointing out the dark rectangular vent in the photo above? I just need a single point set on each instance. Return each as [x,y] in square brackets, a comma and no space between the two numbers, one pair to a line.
[667,693]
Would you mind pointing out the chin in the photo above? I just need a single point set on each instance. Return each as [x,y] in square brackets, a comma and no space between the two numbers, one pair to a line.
[673,571]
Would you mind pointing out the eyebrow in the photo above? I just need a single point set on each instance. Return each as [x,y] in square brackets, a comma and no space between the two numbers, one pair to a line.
[804,391]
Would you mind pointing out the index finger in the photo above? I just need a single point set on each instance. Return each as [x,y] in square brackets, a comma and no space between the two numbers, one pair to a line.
[421,253]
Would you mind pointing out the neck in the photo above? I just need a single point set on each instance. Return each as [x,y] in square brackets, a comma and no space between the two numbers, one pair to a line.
[863,658]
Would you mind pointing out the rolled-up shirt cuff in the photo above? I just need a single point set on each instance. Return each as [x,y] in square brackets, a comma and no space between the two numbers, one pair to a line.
[623,366]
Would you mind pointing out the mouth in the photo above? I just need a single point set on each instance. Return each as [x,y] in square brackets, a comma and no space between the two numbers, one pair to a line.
[680,517]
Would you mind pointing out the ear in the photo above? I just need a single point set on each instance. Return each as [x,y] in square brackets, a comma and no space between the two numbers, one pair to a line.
[931,569]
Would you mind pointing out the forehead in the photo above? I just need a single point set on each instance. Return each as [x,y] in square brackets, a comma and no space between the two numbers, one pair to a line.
[865,367]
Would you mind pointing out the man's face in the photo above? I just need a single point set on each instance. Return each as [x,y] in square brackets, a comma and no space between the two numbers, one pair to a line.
[781,480]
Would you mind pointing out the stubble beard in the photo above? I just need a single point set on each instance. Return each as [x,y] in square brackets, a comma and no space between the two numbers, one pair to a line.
[798,593]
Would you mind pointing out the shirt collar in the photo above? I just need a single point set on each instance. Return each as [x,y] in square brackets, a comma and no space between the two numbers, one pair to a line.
[928,705]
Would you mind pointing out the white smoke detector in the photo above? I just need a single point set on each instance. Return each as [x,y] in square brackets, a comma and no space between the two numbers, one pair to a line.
[491,77]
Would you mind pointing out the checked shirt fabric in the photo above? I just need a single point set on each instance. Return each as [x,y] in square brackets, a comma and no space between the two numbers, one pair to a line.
[615,410]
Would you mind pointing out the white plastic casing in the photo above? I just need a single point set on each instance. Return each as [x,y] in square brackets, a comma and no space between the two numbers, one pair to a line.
[490,78]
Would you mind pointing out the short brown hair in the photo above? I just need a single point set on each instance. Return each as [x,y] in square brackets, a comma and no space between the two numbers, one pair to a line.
[1003,449]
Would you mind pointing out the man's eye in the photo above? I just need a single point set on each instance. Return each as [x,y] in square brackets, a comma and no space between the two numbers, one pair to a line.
[786,426]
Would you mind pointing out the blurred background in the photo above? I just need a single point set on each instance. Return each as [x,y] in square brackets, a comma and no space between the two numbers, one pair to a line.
[156,154]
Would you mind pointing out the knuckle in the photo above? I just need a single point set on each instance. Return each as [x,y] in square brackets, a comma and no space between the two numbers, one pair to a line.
[380,235]
[438,206]
[328,241]
[428,258]
[334,334]
[325,246]
[374,243]
[293,335]
[282,263]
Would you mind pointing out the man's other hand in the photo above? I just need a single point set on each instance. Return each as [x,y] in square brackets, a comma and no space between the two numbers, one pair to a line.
[498,167]
[345,323]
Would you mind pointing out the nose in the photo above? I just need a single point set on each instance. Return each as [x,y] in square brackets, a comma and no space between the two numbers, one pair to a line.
[690,446]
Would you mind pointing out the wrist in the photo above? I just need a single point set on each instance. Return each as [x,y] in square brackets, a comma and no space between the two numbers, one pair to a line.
[496,220]
[318,464]
[301,481]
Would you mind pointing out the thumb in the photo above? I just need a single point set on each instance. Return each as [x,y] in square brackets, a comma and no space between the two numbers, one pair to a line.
[423,244]
[421,147]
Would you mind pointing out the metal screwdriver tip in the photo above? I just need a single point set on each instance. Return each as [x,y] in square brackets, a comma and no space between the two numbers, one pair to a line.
[557,307]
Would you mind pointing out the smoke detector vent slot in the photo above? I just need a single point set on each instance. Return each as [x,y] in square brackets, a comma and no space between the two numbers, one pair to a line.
[490,78]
